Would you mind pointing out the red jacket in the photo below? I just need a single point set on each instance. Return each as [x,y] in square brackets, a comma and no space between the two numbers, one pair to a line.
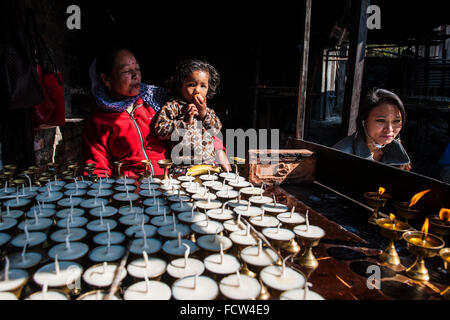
[115,136]
[119,136]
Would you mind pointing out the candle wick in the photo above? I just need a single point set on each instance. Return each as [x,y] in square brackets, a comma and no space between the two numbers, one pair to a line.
[6,269]
[147,284]
[145,259]
[23,252]
[56,265]
[186,254]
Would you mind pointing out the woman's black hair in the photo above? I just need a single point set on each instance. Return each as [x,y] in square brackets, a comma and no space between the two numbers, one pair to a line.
[374,98]
[105,59]
[184,68]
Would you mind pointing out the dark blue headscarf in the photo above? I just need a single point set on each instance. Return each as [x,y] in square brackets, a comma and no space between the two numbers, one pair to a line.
[152,95]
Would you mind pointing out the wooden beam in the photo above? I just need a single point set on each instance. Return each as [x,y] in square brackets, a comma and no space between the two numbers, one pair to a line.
[355,66]
[303,85]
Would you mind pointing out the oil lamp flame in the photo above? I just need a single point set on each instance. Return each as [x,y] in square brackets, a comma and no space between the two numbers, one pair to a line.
[381,190]
[444,214]
[392,217]
[417,197]
[425,228]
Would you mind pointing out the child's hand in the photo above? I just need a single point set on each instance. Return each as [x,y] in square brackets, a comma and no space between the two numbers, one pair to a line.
[190,114]
[200,103]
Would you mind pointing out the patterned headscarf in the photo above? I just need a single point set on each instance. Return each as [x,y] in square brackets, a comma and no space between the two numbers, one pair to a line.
[152,95]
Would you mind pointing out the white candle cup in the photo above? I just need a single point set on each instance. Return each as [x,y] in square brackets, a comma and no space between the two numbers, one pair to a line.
[275,208]
[242,238]
[25,260]
[102,275]
[248,211]
[181,206]
[155,201]
[310,232]
[291,218]
[147,193]
[148,290]
[41,213]
[75,212]
[76,251]
[160,221]
[149,245]
[261,221]
[191,216]
[107,253]
[125,196]
[195,288]
[240,287]
[181,267]
[168,231]
[75,234]
[58,274]
[138,231]
[278,234]
[222,264]
[220,214]
[35,225]
[114,237]
[92,203]
[133,219]
[207,227]
[8,223]
[147,267]
[4,239]
[260,200]
[212,242]
[32,239]
[174,249]
[273,277]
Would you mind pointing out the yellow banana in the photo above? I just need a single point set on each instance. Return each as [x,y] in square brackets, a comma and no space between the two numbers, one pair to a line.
[237,160]
[201,169]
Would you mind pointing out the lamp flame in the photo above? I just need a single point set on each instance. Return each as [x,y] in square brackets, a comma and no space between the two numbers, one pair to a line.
[444,214]
[381,190]
[392,217]
[417,197]
[425,227]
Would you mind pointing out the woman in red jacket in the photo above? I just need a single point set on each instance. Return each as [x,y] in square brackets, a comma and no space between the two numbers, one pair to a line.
[122,129]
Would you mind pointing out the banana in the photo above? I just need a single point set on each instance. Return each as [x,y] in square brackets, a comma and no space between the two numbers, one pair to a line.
[201,169]
[237,160]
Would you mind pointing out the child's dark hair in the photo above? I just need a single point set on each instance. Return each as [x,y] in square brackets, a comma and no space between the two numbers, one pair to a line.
[185,68]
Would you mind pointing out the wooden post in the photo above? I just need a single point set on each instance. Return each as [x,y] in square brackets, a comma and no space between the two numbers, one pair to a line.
[355,66]
[302,88]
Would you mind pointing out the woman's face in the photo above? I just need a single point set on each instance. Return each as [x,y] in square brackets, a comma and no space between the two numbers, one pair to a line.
[384,123]
[196,82]
[125,78]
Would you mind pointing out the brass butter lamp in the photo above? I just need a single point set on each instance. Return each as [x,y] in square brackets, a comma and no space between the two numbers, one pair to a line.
[376,200]
[445,255]
[165,164]
[393,230]
[422,245]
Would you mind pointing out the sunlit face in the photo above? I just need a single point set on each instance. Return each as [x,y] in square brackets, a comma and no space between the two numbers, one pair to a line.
[384,123]
[125,78]
[196,82]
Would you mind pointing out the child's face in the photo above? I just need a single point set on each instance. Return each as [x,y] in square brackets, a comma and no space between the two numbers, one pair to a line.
[196,83]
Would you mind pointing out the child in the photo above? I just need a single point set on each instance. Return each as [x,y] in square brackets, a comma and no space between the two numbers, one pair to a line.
[186,120]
